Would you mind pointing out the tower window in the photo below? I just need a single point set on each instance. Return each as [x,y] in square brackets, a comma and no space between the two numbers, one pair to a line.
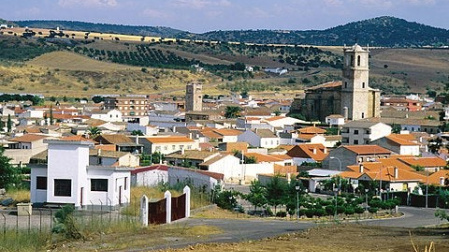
[363,115]
[346,84]
[358,60]
[352,60]
[363,84]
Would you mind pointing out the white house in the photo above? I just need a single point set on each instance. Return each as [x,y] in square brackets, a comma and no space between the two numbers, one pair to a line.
[402,144]
[228,165]
[113,115]
[167,144]
[65,176]
[263,138]
[335,120]
[363,132]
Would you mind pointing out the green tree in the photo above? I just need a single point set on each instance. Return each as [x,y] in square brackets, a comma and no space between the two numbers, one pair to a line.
[156,157]
[9,124]
[332,131]
[9,175]
[136,133]
[250,160]
[93,131]
[257,194]
[232,111]
[276,190]
[395,128]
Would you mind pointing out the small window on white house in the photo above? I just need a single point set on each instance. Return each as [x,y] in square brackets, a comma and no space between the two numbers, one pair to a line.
[41,183]
[63,187]
[99,185]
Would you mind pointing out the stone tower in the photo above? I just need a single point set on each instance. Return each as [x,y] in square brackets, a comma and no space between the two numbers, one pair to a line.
[358,100]
[194,97]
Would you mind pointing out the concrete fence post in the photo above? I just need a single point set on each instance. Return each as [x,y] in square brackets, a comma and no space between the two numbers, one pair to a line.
[144,210]
[186,190]
[167,196]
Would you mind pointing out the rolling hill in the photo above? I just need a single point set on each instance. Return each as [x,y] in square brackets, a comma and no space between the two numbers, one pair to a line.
[380,32]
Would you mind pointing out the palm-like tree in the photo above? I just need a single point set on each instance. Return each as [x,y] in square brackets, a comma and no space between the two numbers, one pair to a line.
[93,131]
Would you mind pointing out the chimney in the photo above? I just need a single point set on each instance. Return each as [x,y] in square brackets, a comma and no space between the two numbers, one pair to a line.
[441,181]
[396,173]
[325,150]
[288,178]
[361,168]
[174,128]
[182,151]
[98,152]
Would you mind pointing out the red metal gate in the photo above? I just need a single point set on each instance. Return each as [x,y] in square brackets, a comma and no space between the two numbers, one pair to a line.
[178,207]
[157,212]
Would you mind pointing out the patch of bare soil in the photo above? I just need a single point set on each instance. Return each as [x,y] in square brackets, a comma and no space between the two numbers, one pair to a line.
[332,238]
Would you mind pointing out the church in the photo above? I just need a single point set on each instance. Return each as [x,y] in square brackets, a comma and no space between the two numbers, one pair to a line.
[352,97]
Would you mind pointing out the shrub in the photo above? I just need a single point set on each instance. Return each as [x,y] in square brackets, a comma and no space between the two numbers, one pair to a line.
[359,210]
[281,214]
[340,209]
[65,223]
[320,212]
[302,212]
[330,210]
[349,211]
[373,209]
[310,212]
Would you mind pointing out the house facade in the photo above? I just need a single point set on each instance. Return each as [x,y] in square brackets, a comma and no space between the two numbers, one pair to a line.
[68,178]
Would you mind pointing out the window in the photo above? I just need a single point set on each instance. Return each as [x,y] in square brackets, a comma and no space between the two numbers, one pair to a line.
[346,84]
[356,141]
[352,60]
[358,60]
[126,184]
[356,132]
[363,84]
[63,187]
[41,183]
[99,185]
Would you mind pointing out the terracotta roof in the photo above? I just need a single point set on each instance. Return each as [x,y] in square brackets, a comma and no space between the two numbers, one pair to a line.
[212,134]
[311,130]
[28,138]
[33,129]
[406,140]
[435,177]
[424,161]
[113,139]
[274,118]
[264,158]
[106,147]
[206,146]
[367,149]
[240,146]
[169,139]
[228,132]
[380,163]
[386,173]
[316,152]
[286,147]
[76,138]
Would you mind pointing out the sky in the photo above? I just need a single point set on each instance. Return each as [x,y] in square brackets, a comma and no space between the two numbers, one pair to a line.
[207,15]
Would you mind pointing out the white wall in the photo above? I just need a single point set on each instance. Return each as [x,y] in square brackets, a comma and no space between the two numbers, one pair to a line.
[67,160]
[409,150]
[229,166]
[37,196]
[250,171]
[198,180]
[149,178]
[269,143]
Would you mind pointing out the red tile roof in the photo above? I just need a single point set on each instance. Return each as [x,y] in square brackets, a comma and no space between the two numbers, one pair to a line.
[367,149]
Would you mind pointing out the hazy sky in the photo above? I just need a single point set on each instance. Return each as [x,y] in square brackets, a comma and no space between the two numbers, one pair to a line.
[207,15]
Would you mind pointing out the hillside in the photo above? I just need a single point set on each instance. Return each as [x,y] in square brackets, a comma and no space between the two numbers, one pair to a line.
[157,31]
[379,32]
